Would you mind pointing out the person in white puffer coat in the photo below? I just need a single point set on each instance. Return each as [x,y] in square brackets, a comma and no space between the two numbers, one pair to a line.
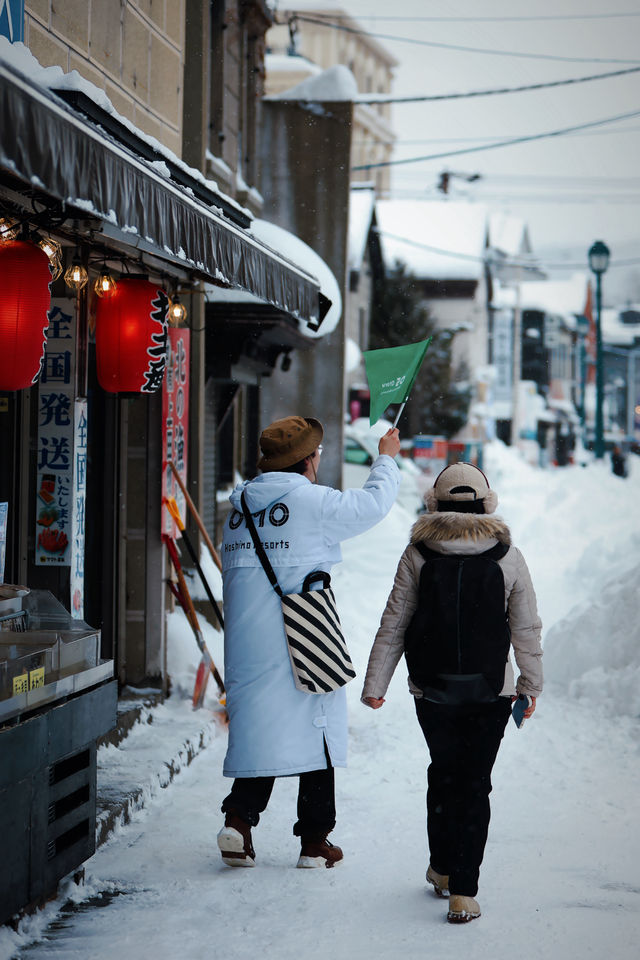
[275,729]
[463,738]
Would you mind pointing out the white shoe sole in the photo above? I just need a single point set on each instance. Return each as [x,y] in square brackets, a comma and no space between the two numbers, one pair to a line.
[231,841]
[308,863]
[463,917]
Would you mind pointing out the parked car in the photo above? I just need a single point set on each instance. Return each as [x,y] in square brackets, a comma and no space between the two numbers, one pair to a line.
[361,449]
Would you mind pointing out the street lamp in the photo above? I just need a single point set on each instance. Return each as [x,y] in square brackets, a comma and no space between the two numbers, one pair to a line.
[599,261]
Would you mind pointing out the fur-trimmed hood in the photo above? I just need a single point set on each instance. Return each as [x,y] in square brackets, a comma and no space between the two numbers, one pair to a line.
[441,527]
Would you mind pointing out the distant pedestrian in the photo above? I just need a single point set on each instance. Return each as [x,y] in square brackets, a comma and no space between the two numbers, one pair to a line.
[446,612]
[618,462]
[275,729]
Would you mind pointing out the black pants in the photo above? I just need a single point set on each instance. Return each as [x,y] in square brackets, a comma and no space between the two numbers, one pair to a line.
[463,742]
[316,801]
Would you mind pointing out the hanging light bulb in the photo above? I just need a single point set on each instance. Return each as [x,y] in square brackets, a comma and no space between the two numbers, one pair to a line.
[9,229]
[177,311]
[55,266]
[76,276]
[51,247]
[105,285]
[54,251]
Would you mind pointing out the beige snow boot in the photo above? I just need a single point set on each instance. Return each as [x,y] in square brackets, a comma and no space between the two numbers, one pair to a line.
[462,909]
[439,882]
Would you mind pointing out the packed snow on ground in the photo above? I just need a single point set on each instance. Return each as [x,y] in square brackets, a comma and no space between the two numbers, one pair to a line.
[560,877]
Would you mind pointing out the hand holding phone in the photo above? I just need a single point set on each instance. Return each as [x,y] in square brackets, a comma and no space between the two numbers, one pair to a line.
[520,704]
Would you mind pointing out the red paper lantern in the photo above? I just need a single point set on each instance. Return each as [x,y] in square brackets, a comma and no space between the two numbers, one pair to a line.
[131,337]
[24,303]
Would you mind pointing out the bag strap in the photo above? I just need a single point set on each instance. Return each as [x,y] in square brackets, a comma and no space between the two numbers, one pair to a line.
[493,553]
[262,556]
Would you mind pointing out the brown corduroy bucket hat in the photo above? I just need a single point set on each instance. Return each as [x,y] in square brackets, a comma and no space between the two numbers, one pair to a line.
[287,441]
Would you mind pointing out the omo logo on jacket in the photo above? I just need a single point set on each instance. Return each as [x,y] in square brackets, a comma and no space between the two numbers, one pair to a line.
[277,516]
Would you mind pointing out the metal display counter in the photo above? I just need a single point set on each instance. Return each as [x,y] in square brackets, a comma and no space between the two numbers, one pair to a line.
[56,699]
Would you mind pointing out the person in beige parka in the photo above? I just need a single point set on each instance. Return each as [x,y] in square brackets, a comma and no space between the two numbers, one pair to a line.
[463,739]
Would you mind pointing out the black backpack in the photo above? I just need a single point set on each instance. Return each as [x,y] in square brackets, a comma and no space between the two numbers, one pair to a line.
[457,643]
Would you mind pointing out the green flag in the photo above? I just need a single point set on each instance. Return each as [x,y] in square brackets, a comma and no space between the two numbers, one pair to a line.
[391,373]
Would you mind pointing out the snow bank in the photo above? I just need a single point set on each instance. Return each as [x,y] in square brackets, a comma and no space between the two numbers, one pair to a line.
[579,531]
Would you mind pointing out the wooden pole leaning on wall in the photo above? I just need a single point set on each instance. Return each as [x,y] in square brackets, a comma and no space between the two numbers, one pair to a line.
[196,516]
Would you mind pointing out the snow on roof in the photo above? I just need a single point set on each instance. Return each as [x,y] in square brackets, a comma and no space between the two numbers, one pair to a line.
[435,239]
[555,296]
[18,57]
[287,63]
[336,83]
[614,331]
[294,249]
[508,234]
[361,206]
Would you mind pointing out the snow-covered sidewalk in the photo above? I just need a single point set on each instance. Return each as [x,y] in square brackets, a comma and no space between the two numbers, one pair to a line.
[561,876]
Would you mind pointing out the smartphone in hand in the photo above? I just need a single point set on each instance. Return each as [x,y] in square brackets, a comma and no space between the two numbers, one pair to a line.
[521,704]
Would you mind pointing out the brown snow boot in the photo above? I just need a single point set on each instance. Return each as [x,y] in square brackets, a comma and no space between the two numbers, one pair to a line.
[234,841]
[462,909]
[318,853]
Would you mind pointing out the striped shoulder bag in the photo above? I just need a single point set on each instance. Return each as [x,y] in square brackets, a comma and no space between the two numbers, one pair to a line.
[319,657]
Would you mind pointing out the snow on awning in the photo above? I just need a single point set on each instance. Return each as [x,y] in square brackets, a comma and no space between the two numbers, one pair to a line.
[48,146]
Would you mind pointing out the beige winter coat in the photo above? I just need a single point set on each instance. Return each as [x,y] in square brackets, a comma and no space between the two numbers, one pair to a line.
[459,533]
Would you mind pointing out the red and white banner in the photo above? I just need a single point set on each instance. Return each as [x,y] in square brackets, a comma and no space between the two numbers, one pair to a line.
[175,423]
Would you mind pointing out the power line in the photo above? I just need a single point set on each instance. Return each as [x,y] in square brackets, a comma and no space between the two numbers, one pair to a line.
[508,197]
[512,19]
[504,143]
[559,178]
[451,46]
[534,262]
[403,142]
[415,143]
[390,98]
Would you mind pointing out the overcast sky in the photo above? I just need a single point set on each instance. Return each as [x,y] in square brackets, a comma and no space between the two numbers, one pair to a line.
[571,189]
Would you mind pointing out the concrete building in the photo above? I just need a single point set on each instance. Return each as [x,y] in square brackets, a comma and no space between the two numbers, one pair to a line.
[300,43]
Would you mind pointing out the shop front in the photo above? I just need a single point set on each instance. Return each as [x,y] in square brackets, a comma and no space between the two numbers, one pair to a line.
[104,246]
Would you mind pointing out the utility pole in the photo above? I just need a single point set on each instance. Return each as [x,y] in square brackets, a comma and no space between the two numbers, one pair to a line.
[517,363]
[445,179]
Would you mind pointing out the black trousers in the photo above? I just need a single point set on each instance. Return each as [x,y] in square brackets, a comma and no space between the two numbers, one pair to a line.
[316,801]
[463,742]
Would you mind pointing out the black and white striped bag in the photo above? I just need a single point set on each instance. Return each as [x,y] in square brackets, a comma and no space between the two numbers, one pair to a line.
[319,657]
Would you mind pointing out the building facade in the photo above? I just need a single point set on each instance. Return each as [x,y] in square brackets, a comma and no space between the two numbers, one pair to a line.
[116,119]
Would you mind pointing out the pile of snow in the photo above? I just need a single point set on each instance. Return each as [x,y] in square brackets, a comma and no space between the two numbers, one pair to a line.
[578,528]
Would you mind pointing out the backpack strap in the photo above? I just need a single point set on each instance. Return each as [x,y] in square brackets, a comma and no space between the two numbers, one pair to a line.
[493,553]
[426,552]
[497,552]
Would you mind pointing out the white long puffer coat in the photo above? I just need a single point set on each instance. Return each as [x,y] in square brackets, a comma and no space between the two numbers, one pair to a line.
[459,533]
[275,729]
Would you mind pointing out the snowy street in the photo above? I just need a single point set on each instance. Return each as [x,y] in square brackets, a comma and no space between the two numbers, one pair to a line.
[561,875]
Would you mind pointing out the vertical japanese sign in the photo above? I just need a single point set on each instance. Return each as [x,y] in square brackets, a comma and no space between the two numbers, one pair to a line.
[54,493]
[175,422]
[79,502]
[4,509]
[502,356]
